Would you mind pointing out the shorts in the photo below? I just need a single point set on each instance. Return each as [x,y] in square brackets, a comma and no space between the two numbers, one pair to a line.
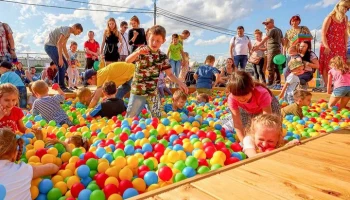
[341,92]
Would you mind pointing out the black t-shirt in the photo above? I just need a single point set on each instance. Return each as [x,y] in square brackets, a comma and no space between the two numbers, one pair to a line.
[109,108]
[140,39]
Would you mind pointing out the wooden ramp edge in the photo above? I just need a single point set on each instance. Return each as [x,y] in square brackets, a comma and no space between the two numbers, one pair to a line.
[187,185]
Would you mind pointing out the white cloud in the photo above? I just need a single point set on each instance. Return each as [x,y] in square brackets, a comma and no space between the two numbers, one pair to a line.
[322,3]
[222,39]
[20,46]
[276,6]
[53,19]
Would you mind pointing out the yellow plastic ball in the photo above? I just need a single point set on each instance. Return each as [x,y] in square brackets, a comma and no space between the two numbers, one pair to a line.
[113,171]
[30,153]
[71,166]
[74,159]
[173,156]
[56,179]
[72,180]
[62,186]
[34,159]
[39,144]
[66,173]
[139,184]
[102,167]
[153,187]
[48,158]
[115,197]
[220,155]
[119,162]
[112,180]
[36,181]
[66,156]
[125,174]
[132,161]
[199,154]
[34,191]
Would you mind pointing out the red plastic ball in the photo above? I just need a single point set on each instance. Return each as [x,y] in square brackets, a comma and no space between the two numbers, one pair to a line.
[123,137]
[231,160]
[236,147]
[124,184]
[220,145]
[209,151]
[159,147]
[76,189]
[147,155]
[55,86]
[158,155]
[165,173]
[110,189]
[89,155]
[79,163]
[226,152]
[203,162]
[211,135]
[201,134]
[142,174]
[120,145]
[41,152]
[100,180]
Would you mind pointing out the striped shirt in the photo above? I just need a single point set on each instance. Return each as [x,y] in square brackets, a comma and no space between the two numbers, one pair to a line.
[50,109]
[3,38]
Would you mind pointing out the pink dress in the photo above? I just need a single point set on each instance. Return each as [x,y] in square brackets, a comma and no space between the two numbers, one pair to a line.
[336,41]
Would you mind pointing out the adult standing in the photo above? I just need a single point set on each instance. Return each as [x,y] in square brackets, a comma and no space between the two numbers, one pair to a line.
[7,43]
[137,35]
[56,48]
[125,48]
[259,54]
[274,43]
[240,46]
[92,50]
[111,38]
[334,37]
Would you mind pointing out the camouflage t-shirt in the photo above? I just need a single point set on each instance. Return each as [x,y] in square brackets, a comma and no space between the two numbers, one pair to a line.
[147,70]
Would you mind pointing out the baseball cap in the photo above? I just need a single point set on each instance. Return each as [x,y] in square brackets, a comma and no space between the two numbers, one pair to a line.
[295,64]
[268,20]
[88,74]
[6,65]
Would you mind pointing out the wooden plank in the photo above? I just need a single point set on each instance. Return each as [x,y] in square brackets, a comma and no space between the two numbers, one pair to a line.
[336,148]
[185,192]
[313,165]
[223,187]
[267,182]
[318,181]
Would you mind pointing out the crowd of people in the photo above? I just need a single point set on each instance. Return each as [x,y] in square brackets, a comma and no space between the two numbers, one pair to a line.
[132,62]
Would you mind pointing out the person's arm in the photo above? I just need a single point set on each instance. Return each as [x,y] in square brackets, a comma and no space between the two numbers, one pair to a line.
[237,123]
[121,43]
[140,51]
[103,43]
[168,52]
[29,77]
[230,49]
[249,46]
[95,111]
[21,126]
[195,76]
[134,36]
[95,98]
[61,41]
[217,80]
[267,110]
[324,31]
[258,44]
[60,92]
[283,90]
[315,64]
[174,79]
[44,170]
[65,51]
[329,83]
[10,40]
[250,152]
[87,50]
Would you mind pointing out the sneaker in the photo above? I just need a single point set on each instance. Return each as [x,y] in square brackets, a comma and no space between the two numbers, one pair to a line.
[71,88]
[66,90]
[277,87]
[75,87]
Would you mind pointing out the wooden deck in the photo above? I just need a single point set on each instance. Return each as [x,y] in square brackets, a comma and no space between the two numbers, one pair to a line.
[317,169]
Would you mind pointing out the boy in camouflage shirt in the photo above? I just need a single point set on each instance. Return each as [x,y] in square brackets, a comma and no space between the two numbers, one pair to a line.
[149,62]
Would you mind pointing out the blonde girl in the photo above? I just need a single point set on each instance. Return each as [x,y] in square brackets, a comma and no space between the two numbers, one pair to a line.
[111,39]
[72,71]
[339,76]
[17,177]
[10,115]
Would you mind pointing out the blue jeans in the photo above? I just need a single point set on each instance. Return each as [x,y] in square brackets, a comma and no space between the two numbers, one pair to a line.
[175,66]
[241,61]
[22,96]
[52,51]
[137,103]
[124,89]
[305,77]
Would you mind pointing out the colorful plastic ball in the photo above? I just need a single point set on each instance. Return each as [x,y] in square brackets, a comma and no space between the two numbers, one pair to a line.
[101,179]
[92,187]
[203,169]
[189,172]
[130,192]
[62,186]
[125,174]
[97,194]
[192,162]
[151,178]
[124,184]
[84,194]
[54,194]
[76,189]
[139,184]
[179,177]
[165,173]
[180,165]
[92,163]
[110,189]
[83,171]
[45,186]
[3,191]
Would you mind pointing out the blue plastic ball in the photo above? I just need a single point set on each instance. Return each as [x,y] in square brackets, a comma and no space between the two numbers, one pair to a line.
[189,172]
[151,178]
[109,157]
[84,194]
[100,152]
[86,181]
[147,147]
[165,121]
[130,192]
[83,171]
[129,150]
[2,191]
[45,186]
[41,197]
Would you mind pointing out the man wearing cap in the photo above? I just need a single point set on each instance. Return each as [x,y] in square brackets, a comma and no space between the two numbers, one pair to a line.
[120,73]
[274,44]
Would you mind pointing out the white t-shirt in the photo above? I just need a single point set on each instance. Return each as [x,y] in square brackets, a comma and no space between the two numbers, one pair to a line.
[126,46]
[248,143]
[293,81]
[17,179]
[240,45]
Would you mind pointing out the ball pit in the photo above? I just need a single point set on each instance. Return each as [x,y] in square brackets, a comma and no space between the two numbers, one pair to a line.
[133,156]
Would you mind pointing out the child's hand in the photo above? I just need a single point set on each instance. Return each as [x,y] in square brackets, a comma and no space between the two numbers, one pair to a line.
[183,87]
[135,33]
[143,50]
[280,96]
[293,142]
[3,112]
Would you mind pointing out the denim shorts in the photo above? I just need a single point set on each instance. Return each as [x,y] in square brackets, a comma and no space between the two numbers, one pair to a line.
[341,92]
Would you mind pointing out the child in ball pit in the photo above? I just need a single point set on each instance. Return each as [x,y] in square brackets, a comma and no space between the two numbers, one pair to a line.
[17,177]
[10,115]
[264,134]
[76,140]
[202,98]
[84,96]
[178,105]
[31,97]
[301,98]
[204,76]
[49,107]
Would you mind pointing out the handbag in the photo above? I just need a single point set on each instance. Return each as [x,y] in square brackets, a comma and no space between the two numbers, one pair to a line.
[254,59]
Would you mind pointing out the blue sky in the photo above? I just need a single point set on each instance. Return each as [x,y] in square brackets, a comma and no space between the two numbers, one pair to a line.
[32,24]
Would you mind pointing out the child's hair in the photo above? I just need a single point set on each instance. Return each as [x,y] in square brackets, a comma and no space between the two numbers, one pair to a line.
[52,63]
[78,26]
[338,63]
[78,141]
[135,19]
[186,32]
[157,30]
[109,88]
[147,32]
[8,88]
[301,94]
[108,31]
[40,87]
[209,59]
[73,43]
[6,65]
[179,94]
[9,144]
[123,23]
[266,120]
[30,85]
[241,83]
[257,31]
[175,36]
[83,92]
[204,96]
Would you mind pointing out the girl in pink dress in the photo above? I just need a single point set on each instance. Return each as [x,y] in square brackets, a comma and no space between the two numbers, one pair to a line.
[334,37]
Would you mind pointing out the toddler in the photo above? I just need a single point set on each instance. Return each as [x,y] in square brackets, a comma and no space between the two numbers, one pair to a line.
[292,81]
[9,76]
[301,98]
[72,71]
[84,96]
[339,75]
[264,134]
[202,98]
[10,115]
[49,106]
[178,105]
[17,177]
[110,107]
[32,97]
[204,76]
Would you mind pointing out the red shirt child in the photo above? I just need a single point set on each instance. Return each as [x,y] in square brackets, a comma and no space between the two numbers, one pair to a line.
[12,121]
